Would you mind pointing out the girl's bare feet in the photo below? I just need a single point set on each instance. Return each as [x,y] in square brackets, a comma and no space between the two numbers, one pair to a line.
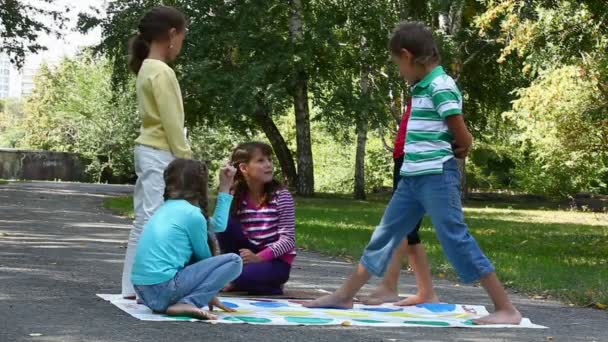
[332,301]
[500,317]
[189,310]
[418,299]
[381,295]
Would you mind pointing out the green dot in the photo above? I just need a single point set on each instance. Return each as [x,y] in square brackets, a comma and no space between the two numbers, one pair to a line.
[308,320]
[430,323]
[469,322]
[247,319]
[368,321]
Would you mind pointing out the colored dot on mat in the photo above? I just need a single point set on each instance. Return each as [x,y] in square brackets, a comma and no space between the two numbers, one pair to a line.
[457,315]
[269,304]
[404,314]
[231,305]
[371,321]
[291,313]
[344,313]
[308,320]
[247,319]
[383,309]
[437,307]
[243,312]
[469,322]
[429,323]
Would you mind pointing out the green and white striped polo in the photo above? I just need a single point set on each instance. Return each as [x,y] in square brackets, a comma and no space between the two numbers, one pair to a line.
[429,142]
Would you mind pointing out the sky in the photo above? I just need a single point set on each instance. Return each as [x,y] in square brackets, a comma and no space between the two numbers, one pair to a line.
[71,42]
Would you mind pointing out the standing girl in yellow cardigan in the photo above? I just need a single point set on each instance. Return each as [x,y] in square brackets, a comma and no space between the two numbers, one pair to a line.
[162,138]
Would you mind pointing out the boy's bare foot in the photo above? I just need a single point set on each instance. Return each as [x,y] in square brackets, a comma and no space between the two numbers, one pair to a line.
[381,295]
[189,310]
[500,317]
[418,299]
[332,301]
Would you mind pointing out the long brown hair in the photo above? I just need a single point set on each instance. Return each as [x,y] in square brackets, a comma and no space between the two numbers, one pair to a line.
[154,25]
[243,154]
[188,180]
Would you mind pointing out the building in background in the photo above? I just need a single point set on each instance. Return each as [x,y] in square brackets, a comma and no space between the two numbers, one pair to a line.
[17,83]
[27,79]
[5,76]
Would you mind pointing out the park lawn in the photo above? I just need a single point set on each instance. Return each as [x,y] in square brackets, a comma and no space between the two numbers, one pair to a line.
[548,253]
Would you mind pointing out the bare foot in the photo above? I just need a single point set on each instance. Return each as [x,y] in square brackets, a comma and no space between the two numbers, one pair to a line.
[189,310]
[418,299]
[332,301]
[381,295]
[500,317]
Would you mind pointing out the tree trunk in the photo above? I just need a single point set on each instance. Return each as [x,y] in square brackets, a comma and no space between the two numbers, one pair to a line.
[305,181]
[279,145]
[464,190]
[362,127]
[444,22]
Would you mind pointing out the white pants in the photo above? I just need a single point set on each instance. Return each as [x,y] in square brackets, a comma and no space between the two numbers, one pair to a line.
[150,163]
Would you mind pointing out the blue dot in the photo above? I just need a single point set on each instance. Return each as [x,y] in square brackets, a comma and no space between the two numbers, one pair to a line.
[231,305]
[438,307]
[382,309]
[269,304]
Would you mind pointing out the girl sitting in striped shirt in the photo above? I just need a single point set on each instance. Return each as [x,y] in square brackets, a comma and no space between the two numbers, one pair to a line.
[262,225]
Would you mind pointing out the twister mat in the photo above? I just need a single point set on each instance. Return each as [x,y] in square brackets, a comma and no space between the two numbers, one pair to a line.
[262,311]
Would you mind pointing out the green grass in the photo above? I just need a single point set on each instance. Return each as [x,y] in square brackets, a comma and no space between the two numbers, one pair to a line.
[552,253]
[121,205]
[3,182]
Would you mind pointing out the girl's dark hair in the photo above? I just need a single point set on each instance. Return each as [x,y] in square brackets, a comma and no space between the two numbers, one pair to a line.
[154,25]
[417,39]
[188,180]
[244,153]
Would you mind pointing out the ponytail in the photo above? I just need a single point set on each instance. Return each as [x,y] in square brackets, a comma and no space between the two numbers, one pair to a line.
[153,26]
[140,49]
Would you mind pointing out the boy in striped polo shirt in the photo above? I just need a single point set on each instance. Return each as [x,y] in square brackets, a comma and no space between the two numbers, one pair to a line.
[430,180]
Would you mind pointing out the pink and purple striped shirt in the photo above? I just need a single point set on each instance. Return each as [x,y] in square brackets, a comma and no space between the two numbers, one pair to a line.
[272,226]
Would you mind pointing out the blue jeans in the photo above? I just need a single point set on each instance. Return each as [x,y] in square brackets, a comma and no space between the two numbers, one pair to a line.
[196,284]
[439,197]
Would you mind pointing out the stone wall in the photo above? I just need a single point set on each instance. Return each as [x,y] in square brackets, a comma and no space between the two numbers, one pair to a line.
[41,165]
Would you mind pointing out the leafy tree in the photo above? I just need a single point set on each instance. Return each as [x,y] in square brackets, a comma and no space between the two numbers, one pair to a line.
[11,114]
[72,109]
[22,22]
[562,116]
[245,63]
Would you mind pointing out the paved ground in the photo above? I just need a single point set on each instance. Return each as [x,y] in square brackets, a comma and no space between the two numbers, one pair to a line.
[59,247]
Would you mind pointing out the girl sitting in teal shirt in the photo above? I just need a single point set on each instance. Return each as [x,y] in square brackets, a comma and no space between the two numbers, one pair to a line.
[177,235]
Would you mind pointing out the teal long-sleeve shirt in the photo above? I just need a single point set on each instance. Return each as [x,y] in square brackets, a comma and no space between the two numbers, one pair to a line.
[176,232]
